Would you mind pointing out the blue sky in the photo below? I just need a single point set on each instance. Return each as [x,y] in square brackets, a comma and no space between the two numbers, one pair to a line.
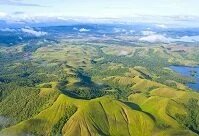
[99,8]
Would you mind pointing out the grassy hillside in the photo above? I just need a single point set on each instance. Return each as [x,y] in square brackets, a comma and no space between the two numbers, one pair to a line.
[90,89]
[95,117]
[119,120]
[165,105]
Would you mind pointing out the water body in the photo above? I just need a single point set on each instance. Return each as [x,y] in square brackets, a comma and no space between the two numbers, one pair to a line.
[188,71]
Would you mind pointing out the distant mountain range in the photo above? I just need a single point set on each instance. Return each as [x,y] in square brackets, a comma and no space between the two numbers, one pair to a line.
[11,34]
[41,21]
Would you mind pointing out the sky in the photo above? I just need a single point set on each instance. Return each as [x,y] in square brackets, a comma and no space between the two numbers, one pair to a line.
[99,8]
[177,13]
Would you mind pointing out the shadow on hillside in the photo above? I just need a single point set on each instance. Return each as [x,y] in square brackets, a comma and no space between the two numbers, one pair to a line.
[86,81]
[137,107]
[72,95]
[133,106]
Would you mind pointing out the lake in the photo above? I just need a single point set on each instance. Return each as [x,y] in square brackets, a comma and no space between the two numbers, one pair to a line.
[188,71]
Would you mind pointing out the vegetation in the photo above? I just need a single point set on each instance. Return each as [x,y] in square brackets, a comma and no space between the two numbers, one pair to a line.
[92,88]
[57,128]
[190,120]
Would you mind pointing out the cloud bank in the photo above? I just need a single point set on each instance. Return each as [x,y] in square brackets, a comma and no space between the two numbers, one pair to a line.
[154,38]
[7,30]
[19,3]
[147,33]
[118,30]
[84,30]
[33,32]
[161,26]
[2,14]
[187,39]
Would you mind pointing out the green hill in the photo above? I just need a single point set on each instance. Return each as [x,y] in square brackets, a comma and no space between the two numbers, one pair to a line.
[105,116]
[91,117]
[78,88]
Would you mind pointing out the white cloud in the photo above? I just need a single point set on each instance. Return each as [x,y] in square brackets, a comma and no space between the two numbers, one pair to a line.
[132,31]
[150,36]
[84,30]
[154,38]
[33,32]
[19,3]
[7,30]
[161,38]
[161,25]
[75,28]
[2,14]
[188,39]
[148,32]
[43,17]
[118,30]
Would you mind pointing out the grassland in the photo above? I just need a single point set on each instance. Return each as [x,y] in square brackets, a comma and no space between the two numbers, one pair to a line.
[97,89]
